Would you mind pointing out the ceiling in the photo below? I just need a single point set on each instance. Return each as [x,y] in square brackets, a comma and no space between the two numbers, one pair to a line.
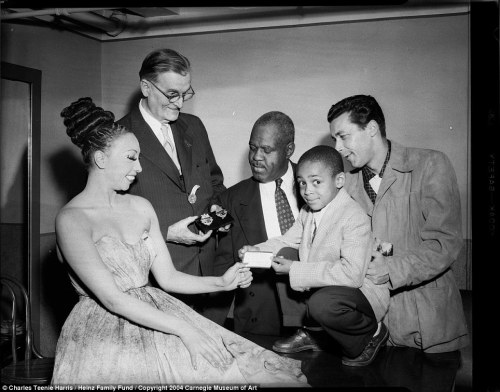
[106,23]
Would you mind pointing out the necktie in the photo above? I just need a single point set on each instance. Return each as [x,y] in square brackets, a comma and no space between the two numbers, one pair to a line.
[285,215]
[169,145]
[367,176]
[314,228]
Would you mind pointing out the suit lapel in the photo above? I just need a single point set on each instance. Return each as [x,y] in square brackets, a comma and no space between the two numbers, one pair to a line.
[358,192]
[152,149]
[387,180]
[183,143]
[300,200]
[324,231]
[251,215]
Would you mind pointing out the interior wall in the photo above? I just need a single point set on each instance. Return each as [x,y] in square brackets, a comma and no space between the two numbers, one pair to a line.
[71,68]
[417,68]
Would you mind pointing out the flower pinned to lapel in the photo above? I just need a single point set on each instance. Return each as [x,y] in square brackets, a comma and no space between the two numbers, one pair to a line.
[187,144]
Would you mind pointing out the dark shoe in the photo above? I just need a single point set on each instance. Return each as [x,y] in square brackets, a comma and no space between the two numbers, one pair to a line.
[299,341]
[370,351]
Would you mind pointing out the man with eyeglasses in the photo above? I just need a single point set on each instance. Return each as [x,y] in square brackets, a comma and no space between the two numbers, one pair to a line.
[180,176]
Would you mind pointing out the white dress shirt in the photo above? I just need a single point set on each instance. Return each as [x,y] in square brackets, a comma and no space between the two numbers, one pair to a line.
[375,182]
[155,125]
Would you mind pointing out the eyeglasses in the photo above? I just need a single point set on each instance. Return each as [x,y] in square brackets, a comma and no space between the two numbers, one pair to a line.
[174,97]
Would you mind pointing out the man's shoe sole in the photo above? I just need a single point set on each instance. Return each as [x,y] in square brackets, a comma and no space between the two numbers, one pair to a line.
[296,349]
[366,363]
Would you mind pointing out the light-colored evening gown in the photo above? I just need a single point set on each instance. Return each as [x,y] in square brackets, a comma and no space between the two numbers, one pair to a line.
[99,347]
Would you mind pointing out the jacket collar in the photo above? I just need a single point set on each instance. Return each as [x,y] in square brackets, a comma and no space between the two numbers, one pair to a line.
[401,158]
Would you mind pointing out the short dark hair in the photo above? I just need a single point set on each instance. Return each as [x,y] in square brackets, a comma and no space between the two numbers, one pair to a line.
[362,109]
[90,127]
[284,124]
[164,60]
[327,155]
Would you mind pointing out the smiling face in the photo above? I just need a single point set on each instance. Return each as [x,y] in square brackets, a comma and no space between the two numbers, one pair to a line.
[317,185]
[352,141]
[122,161]
[169,83]
[268,157]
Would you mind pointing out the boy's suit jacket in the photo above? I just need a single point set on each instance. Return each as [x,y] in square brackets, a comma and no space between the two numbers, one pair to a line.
[161,184]
[338,255]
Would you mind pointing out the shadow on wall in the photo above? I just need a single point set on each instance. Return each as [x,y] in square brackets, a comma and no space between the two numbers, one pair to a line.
[69,172]
[14,228]
[132,102]
[58,297]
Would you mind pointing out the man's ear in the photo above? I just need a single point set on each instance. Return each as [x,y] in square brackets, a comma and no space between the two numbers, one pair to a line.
[340,180]
[145,88]
[290,148]
[372,128]
[100,159]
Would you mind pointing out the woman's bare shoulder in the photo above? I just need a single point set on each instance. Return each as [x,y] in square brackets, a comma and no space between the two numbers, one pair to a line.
[140,203]
[72,214]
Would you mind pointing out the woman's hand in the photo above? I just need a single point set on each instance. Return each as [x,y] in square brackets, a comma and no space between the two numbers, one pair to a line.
[199,343]
[237,275]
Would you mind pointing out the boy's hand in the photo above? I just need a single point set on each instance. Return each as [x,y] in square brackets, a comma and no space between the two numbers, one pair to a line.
[282,265]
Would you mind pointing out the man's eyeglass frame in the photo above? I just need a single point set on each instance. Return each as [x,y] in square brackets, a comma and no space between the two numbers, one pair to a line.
[185,97]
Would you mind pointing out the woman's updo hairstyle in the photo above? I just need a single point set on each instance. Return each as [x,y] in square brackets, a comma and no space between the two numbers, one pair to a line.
[90,127]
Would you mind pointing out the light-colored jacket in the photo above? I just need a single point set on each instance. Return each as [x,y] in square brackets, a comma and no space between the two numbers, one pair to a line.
[417,209]
[339,254]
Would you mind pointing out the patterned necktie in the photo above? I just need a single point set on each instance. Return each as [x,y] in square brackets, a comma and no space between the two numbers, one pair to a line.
[169,145]
[285,215]
[367,176]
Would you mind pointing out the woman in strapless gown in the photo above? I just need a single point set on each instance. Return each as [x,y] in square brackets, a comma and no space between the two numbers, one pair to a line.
[123,330]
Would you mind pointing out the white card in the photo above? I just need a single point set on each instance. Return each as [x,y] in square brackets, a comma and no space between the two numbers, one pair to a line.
[254,259]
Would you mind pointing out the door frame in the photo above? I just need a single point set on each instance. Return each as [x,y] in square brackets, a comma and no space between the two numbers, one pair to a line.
[33,77]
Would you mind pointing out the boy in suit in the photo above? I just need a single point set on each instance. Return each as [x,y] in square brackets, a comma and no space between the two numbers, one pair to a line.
[333,237]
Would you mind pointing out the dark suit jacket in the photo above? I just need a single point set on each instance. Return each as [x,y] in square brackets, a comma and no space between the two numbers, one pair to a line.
[257,307]
[161,184]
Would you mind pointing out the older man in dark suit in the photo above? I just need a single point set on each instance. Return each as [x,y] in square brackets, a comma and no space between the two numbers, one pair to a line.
[256,207]
[180,176]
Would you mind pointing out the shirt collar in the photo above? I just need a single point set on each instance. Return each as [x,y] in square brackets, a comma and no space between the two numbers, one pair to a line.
[150,120]
[368,174]
[336,202]
[288,180]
